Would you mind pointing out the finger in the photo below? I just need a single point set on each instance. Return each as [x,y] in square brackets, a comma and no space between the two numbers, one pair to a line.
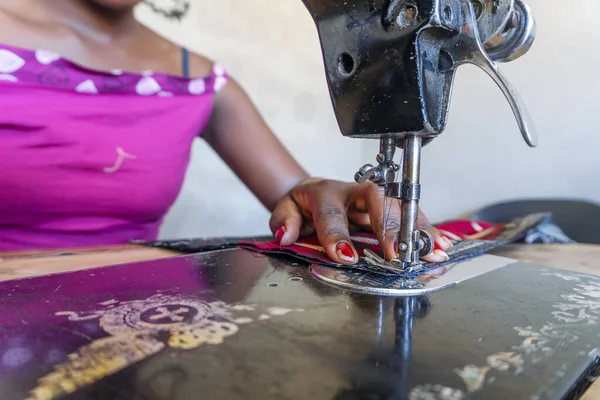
[286,222]
[384,216]
[359,219]
[331,224]
[441,243]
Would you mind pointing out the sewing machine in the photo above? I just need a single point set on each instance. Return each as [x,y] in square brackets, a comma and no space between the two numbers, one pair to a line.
[390,69]
[234,324]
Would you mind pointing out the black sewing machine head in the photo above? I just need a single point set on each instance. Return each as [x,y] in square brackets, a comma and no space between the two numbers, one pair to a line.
[390,69]
[391,63]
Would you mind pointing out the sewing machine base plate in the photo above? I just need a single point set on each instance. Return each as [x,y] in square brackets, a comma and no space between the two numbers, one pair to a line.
[235,325]
[368,283]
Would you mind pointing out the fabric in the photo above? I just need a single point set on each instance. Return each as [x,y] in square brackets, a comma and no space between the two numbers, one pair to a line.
[546,230]
[92,157]
[470,239]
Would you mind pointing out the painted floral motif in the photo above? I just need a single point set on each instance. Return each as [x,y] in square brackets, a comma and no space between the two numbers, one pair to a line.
[138,329]
[581,307]
[435,392]
[473,376]
[92,363]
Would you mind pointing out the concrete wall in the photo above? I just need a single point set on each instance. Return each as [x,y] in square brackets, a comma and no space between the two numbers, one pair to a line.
[271,47]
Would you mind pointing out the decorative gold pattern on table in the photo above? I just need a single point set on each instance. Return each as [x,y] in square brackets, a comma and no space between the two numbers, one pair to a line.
[134,328]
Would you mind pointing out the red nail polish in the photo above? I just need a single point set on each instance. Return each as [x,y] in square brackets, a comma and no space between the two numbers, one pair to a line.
[279,234]
[396,249]
[344,250]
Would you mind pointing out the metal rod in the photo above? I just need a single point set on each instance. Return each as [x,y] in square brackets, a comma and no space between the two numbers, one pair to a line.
[387,148]
[407,237]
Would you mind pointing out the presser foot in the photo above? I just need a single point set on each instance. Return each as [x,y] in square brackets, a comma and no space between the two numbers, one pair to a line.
[395,266]
[376,284]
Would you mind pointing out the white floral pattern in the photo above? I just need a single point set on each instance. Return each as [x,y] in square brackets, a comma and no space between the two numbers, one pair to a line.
[580,307]
[8,77]
[87,87]
[10,62]
[43,67]
[197,86]
[147,86]
[46,57]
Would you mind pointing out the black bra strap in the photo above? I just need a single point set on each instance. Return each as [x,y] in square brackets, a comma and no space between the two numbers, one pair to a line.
[185,62]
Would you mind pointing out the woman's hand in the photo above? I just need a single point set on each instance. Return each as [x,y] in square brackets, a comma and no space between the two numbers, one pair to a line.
[333,208]
[300,206]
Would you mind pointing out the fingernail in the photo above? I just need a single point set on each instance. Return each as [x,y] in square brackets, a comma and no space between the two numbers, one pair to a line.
[442,243]
[345,252]
[441,255]
[396,249]
[279,234]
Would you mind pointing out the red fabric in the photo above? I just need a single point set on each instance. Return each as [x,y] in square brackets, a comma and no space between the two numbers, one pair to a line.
[310,249]
[453,230]
[470,230]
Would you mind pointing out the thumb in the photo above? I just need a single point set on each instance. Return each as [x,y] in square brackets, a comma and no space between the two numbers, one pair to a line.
[286,222]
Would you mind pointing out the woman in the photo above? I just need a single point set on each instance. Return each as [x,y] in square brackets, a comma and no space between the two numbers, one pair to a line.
[97,119]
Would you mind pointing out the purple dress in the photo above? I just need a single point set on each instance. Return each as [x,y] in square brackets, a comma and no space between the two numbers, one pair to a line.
[92,157]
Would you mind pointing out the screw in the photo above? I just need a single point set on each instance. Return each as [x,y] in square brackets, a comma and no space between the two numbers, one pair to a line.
[407,16]
[478,7]
[364,174]
[495,6]
[448,13]
[403,247]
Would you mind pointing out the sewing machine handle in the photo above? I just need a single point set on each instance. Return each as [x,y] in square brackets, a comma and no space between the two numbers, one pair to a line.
[468,49]
[518,106]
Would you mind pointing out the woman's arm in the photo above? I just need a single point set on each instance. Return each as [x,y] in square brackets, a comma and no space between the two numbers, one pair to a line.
[241,137]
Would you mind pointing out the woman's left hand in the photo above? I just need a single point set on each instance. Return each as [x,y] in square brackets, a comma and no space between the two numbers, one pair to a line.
[329,208]
[332,208]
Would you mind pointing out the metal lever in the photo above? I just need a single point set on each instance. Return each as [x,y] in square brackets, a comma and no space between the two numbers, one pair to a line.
[385,171]
[466,48]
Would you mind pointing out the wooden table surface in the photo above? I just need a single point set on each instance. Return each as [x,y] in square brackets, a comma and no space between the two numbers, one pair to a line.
[17,265]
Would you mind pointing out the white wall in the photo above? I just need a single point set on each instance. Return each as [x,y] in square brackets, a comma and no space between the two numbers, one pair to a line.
[271,47]
[481,158]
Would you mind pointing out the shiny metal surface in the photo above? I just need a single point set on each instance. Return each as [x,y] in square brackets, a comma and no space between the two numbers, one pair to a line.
[408,236]
[368,283]
[385,171]
[390,69]
[466,48]
[426,243]
[386,71]
[517,332]
[492,17]
[516,38]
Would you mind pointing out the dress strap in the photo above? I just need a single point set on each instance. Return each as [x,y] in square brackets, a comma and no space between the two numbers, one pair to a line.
[185,62]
